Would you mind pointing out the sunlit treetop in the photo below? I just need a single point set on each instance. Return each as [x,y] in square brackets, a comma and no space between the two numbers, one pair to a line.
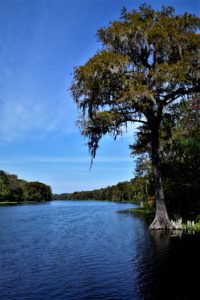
[148,59]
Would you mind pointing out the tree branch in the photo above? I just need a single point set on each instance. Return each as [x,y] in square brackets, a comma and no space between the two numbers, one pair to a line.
[136,120]
[179,92]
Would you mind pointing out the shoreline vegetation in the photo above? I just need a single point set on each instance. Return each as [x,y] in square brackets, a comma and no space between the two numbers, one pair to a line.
[8,203]
[147,214]
[127,191]
[13,203]
[17,191]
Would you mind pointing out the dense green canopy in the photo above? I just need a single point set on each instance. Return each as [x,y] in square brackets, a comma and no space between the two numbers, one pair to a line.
[13,189]
[149,58]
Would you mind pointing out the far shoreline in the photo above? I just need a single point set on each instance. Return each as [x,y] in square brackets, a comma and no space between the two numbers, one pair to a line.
[15,203]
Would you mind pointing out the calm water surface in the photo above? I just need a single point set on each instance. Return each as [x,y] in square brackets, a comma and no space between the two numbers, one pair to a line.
[86,250]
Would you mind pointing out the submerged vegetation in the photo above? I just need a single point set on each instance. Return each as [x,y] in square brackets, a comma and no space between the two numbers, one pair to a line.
[14,190]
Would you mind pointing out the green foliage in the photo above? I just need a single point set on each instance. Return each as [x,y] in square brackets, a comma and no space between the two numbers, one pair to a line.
[135,191]
[4,186]
[143,66]
[149,59]
[146,213]
[121,192]
[14,190]
[192,228]
[37,191]
[197,219]
[180,160]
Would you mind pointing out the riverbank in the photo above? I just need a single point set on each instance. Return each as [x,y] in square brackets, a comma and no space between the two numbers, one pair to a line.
[8,203]
[13,203]
[148,214]
[144,213]
[192,228]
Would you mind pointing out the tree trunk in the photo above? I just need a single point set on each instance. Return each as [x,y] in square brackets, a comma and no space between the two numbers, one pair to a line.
[161,220]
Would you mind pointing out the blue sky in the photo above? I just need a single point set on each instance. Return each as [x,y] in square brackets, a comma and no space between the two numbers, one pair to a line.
[40,44]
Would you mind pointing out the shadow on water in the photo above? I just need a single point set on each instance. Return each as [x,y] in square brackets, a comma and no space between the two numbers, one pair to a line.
[173,273]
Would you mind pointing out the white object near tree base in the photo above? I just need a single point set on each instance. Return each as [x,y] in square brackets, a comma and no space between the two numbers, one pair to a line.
[190,223]
[177,224]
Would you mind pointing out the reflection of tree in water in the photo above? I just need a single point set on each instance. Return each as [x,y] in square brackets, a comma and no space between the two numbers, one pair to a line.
[170,265]
[162,238]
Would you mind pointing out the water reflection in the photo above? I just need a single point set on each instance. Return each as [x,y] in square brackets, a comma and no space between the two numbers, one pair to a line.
[85,250]
[177,257]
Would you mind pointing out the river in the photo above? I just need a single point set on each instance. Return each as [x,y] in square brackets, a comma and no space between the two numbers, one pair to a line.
[87,250]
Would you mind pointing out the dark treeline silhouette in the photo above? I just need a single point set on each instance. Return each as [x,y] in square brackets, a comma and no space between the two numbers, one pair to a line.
[13,189]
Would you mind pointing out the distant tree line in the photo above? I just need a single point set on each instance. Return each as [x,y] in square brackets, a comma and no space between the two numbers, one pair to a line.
[127,191]
[13,189]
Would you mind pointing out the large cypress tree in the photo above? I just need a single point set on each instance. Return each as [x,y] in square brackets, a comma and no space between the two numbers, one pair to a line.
[148,60]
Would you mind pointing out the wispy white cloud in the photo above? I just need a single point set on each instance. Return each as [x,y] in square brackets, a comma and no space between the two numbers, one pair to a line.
[33,159]
[33,99]
[26,117]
